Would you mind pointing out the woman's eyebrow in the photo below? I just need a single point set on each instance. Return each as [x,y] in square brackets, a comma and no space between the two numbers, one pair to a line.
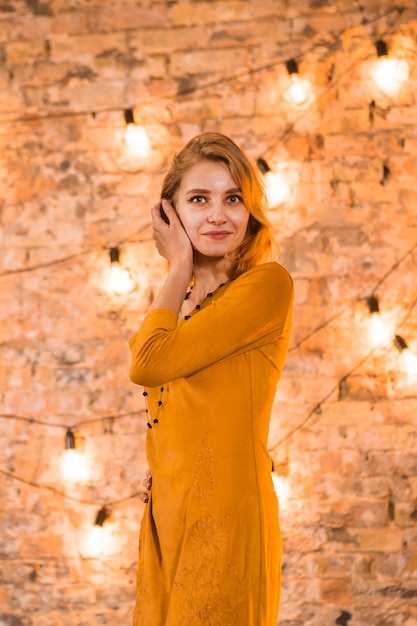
[206,191]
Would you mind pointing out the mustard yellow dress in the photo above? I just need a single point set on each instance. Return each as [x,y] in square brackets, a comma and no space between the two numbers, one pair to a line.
[210,545]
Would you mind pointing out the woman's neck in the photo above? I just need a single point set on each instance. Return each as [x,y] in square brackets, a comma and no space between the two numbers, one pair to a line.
[207,278]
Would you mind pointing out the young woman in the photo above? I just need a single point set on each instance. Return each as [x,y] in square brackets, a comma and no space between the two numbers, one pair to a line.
[209,354]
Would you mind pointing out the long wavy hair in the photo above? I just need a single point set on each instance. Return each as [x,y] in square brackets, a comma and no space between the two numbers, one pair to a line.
[257,245]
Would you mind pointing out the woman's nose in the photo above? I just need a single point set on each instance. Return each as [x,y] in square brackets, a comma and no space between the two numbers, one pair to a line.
[216,215]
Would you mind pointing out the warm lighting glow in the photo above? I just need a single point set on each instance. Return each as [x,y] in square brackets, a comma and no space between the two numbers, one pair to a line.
[378,330]
[408,358]
[389,73]
[74,466]
[98,541]
[135,137]
[276,187]
[300,89]
[410,361]
[282,489]
[120,281]
[137,141]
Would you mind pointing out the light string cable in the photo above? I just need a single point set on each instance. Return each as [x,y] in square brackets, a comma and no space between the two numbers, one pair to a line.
[396,9]
[72,428]
[296,346]
[128,239]
[334,81]
[352,303]
[317,407]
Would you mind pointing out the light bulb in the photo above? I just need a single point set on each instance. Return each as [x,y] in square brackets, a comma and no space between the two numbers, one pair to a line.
[97,541]
[389,72]
[137,140]
[277,189]
[298,90]
[120,281]
[410,361]
[378,330]
[74,466]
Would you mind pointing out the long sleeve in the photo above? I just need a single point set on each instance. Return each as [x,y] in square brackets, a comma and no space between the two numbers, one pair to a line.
[255,309]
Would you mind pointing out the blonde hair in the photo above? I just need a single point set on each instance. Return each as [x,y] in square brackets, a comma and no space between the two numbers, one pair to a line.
[258,241]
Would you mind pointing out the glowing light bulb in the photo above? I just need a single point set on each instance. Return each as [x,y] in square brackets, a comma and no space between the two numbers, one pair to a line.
[97,541]
[137,140]
[99,538]
[277,189]
[120,280]
[74,466]
[389,72]
[298,90]
[282,489]
[378,330]
[410,361]
[276,186]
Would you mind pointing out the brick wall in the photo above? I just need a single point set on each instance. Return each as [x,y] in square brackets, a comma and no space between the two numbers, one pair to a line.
[343,433]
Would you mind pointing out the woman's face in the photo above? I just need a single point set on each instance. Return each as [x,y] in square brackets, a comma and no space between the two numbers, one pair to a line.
[210,207]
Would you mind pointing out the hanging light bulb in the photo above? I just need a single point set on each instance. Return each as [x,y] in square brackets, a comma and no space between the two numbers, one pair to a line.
[276,187]
[120,280]
[410,360]
[74,464]
[378,330]
[98,539]
[389,72]
[299,90]
[135,137]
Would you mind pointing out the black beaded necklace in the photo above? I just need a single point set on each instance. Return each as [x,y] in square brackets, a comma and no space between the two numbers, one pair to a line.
[161,389]
[208,295]
[155,419]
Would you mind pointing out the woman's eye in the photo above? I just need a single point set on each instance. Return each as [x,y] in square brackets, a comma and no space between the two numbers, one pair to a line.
[197,199]
[235,199]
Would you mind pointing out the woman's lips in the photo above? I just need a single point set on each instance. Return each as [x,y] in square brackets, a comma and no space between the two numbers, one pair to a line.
[218,234]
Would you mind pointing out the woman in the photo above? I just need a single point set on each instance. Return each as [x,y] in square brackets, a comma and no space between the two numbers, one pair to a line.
[209,354]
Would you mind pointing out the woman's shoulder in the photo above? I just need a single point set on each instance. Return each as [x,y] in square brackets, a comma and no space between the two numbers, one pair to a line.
[267,272]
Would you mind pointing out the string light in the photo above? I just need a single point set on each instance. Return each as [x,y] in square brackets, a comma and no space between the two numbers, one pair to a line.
[378,330]
[276,187]
[299,90]
[98,538]
[135,137]
[409,359]
[120,281]
[389,72]
[103,514]
[74,464]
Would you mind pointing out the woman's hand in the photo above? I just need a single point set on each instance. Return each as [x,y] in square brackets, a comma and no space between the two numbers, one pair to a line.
[171,240]
[146,486]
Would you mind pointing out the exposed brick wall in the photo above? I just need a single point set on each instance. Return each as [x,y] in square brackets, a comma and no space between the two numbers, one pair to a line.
[343,433]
